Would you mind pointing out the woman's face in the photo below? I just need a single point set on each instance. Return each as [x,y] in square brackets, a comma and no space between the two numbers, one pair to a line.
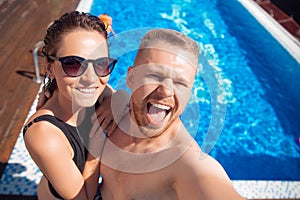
[84,90]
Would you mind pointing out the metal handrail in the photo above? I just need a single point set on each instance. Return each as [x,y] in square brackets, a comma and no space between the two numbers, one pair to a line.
[37,46]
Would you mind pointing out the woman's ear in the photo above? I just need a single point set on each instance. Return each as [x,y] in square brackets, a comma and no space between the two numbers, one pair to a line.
[129,77]
[49,69]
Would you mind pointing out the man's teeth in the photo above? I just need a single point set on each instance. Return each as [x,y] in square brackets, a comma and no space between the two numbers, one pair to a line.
[160,106]
[87,90]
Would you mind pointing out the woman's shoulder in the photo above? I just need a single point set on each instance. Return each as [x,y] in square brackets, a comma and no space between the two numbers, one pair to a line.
[44,139]
[31,124]
[39,128]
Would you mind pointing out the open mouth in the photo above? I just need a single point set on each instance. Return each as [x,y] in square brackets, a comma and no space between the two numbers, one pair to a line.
[156,113]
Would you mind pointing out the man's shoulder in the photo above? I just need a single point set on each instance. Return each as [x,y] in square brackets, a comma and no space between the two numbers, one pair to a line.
[197,165]
[194,159]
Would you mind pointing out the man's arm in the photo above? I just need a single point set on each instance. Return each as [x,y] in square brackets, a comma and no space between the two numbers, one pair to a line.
[202,177]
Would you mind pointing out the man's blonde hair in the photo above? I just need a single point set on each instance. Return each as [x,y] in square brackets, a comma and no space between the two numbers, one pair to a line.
[172,39]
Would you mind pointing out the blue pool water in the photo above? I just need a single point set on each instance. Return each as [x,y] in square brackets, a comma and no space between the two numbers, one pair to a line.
[246,95]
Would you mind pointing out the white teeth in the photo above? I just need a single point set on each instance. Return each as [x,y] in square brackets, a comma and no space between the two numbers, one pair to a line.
[87,90]
[160,106]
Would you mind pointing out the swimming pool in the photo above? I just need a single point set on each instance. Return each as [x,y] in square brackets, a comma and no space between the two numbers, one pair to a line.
[248,74]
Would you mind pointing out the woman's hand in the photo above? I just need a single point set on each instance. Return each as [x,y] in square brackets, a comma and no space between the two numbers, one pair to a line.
[104,117]
[111,111]
[97,139]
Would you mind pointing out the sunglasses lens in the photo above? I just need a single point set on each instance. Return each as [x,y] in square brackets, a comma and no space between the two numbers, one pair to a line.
[104,66]
[72,66]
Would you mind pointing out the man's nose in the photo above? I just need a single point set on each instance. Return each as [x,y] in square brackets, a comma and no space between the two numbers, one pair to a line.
[166,88]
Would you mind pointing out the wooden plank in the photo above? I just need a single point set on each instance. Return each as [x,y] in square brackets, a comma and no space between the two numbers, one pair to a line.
[281,17]
[16,39]
[291,26]
[274,11]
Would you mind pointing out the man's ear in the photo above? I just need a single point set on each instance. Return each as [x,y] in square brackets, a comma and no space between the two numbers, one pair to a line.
[129,77]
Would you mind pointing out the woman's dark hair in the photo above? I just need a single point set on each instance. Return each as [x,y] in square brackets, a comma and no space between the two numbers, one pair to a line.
[67,23]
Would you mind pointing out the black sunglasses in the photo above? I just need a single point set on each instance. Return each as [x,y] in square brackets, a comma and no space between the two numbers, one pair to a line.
[75,66]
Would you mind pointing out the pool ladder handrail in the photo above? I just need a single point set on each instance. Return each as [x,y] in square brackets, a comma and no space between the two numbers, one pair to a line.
[37,46]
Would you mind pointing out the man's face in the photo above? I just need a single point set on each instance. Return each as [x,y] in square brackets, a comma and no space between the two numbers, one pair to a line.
[161,82]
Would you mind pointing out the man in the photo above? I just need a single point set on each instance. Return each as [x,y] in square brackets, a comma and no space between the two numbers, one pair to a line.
[151,155]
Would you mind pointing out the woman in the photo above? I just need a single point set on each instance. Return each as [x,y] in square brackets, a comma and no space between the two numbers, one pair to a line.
[78,68]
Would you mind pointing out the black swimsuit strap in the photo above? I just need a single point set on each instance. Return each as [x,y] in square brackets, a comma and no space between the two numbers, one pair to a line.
[49,118]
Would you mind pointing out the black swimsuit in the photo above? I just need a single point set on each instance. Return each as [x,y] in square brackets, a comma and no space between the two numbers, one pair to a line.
[72,135]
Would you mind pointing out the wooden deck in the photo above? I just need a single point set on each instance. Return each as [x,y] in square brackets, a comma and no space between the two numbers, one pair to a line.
[281,17]
[22,24]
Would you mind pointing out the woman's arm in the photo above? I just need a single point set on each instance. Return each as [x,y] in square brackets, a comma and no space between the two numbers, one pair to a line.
[97,139]
[53,154]
[91,175]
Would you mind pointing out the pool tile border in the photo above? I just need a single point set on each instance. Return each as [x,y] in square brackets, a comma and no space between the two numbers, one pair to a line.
[268,189]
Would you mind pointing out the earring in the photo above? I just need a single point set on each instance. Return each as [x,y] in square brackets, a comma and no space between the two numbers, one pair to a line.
[49,83]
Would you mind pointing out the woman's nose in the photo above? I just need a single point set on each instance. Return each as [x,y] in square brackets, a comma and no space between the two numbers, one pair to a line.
[89,75]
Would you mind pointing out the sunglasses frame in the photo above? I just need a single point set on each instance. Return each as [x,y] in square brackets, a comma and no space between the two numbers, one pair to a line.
[85,66]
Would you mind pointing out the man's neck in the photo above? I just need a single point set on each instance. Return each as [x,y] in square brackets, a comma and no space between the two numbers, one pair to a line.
[131,138]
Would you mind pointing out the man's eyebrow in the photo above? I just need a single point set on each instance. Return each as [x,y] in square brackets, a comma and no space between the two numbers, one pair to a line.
[166,71]
[183,78]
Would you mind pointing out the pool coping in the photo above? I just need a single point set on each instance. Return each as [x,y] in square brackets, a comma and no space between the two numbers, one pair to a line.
[85,5]
[253,189]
